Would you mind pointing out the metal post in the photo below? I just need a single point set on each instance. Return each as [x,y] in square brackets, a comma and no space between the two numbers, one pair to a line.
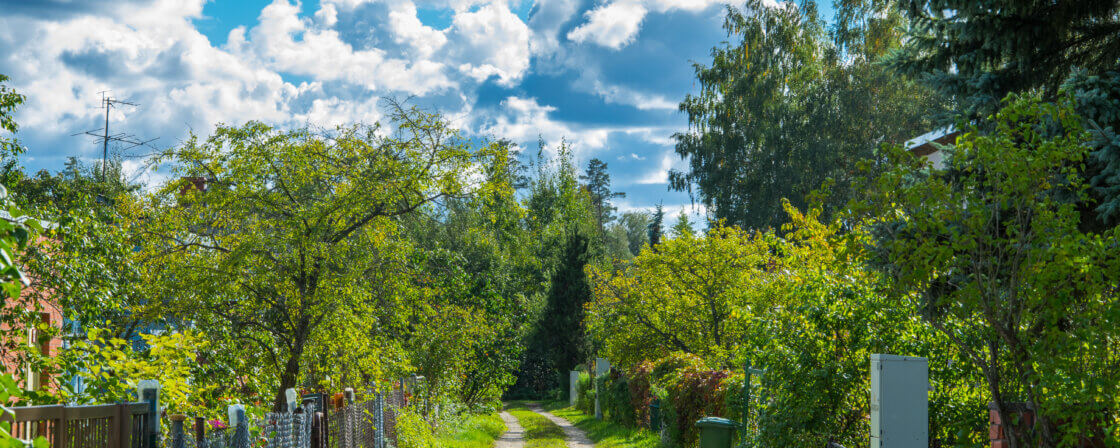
[178,436]
[200,432]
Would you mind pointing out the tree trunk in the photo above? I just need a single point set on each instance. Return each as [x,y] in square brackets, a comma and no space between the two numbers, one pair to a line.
[288,377]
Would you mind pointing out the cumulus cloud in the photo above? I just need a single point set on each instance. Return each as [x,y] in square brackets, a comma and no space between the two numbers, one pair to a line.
[491,41]
[613,25]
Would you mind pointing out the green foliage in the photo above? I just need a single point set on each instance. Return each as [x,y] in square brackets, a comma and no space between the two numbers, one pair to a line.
[994,251]
[285,243]
[9,100]
[782,110]
[598,182]
[475,431]
[413,431]
[979,51]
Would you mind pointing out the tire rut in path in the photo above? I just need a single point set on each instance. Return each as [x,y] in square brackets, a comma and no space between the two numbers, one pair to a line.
[515,434]
[576,438]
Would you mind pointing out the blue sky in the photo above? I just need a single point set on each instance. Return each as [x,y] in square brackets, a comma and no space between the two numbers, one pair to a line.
[604,75]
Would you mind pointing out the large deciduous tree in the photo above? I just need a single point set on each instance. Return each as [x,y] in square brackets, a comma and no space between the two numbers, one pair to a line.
[283,236]
[782,109]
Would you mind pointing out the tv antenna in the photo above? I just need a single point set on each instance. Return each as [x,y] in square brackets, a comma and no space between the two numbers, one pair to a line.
[108,102]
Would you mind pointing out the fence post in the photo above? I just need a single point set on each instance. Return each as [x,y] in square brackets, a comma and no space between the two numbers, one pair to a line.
[379,420]
[200,432]
[292,398]
[178,437]
[573,387]
[241,426]
[124,426]
[148,392]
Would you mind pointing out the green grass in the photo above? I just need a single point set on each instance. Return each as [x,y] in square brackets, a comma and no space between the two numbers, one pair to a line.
[540,432]
[605,434]
[476,431]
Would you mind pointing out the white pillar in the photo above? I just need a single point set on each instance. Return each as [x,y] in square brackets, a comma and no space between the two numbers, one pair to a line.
[899,401]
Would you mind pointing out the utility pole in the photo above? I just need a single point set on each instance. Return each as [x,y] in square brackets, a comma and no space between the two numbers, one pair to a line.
[107,102]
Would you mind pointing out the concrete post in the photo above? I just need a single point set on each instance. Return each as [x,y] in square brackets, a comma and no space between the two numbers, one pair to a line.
[148,392]
[602,366]
[573,387]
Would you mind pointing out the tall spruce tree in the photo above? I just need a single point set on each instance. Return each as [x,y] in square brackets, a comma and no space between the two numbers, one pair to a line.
[656,227]
[980,51]
[562,323]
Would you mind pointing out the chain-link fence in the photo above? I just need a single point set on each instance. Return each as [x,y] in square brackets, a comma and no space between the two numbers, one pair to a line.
[364,424]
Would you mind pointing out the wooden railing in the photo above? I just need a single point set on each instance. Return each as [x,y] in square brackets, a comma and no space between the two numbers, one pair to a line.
[103,426]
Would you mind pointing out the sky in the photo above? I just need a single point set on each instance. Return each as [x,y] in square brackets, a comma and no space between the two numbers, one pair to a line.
[604,75]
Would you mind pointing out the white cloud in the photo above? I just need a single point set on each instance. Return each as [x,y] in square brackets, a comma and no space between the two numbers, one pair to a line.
[660,175]
[491,41]
[524,119]
[614,25]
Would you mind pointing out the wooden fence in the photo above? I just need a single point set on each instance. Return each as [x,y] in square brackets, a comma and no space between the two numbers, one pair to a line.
[123,425]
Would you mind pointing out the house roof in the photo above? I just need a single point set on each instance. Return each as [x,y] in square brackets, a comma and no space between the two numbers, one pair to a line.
[926,144]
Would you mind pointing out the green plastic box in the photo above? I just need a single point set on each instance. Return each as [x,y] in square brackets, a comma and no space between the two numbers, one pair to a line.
[716,432]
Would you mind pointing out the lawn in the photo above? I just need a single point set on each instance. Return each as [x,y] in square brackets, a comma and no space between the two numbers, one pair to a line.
[476,431]
[540,432]
[605,434]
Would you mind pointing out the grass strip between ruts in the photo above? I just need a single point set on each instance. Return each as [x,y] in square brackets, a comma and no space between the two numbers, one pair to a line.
[605,434]
[540,432]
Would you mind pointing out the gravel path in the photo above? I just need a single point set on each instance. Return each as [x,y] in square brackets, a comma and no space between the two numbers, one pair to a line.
[515,434]
[576,437]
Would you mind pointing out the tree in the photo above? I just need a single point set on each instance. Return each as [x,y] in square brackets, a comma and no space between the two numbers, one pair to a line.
[993,249]
[562,321]
[683,225]
[637,230]
[599,186]
[286,237]
[655,227]
[782,111]
[9,100]
[979,52]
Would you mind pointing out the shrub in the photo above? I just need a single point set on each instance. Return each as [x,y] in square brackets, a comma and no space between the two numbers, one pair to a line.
[413,431]
[616,400]
[586,394]
[640,393]
[696,394]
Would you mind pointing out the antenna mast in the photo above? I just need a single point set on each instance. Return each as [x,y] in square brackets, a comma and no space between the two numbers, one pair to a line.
[108,102]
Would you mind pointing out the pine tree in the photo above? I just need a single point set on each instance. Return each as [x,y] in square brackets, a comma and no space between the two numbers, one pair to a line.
[599,187]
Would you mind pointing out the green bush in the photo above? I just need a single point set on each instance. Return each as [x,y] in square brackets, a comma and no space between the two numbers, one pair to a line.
[413,431]
[586,394]
[616,402]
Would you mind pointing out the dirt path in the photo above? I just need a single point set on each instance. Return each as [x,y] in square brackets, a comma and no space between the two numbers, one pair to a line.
[515,434]
[575,436]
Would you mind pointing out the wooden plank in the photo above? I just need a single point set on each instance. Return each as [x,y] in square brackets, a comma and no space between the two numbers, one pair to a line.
[91,412]
[33,413]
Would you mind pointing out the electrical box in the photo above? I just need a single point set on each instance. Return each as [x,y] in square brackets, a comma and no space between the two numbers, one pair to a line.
[899,401]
